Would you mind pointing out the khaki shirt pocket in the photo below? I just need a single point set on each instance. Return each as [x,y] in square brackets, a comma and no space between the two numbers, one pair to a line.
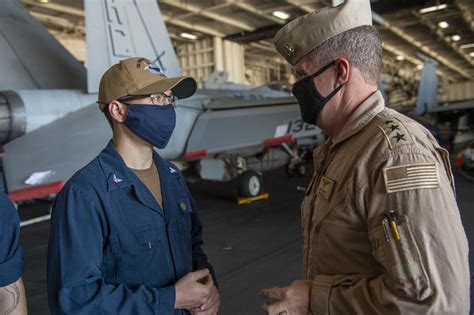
[405,274]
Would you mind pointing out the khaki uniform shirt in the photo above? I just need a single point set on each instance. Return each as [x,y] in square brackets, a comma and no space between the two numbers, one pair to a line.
[359,262]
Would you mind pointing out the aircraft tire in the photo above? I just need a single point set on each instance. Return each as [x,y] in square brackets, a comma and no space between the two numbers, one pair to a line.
[250,184]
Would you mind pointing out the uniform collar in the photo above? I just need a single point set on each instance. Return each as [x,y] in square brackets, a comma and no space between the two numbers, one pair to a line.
[361,117]
[119,175]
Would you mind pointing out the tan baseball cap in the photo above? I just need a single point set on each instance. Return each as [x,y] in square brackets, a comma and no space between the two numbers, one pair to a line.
[300,36]
[139,76]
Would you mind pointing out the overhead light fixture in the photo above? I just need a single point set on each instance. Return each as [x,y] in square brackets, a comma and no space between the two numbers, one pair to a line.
[471,54]
[43,1]
[188,36]
[433,8]
[400,58]
[456,38]
[465,46]
[419,67]
[281,15]
[443,24]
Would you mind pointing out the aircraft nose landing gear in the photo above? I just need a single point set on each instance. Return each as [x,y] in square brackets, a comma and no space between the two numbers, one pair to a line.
[296,165]
[295,169]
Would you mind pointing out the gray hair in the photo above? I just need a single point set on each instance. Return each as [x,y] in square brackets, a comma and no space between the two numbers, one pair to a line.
[361,46]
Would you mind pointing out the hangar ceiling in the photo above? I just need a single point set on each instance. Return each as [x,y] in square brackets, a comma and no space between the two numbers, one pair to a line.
[443,31]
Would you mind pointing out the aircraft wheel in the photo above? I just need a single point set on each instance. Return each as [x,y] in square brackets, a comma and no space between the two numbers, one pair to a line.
[250,184]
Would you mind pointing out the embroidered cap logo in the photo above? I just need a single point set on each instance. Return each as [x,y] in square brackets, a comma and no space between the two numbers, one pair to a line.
[154,69]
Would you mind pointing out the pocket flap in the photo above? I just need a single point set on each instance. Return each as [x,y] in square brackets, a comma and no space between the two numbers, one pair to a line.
[145,237]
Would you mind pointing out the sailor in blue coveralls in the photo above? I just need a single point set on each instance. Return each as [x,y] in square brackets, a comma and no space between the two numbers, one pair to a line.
[125,232]
[12,290]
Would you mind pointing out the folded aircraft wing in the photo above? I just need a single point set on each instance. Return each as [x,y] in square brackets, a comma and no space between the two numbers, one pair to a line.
[62,147]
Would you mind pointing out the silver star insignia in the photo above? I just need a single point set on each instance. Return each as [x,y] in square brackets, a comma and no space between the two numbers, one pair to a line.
[289,51]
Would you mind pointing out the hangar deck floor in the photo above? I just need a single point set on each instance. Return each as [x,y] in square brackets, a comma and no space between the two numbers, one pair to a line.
[251,247]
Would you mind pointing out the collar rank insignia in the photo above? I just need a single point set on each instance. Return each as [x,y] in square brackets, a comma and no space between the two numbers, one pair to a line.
[116,180]
[395,132]
[289,51]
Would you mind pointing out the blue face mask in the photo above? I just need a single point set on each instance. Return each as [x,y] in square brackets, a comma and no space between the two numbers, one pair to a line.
[153,124]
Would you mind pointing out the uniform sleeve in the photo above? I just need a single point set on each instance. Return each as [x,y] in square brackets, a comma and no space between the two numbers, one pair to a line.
[424,271]
[75,282]
[200,260]
[11,253]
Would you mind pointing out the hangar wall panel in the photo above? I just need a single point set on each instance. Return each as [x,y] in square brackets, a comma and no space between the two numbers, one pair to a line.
[197,59]
[201,58]
[458,92]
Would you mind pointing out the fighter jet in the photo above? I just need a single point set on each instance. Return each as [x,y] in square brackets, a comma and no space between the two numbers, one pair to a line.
[51,126]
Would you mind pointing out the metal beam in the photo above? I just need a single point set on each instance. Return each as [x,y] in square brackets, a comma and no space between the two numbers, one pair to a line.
[55,7]
[443,37]
[178,38]
[467,13]
[412,41]
[413,60]
[263,33]
[192,27]
[211,15]
[59,22]
[250,8]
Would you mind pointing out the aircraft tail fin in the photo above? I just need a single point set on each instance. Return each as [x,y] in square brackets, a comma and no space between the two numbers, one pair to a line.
[428,88]
[119,29]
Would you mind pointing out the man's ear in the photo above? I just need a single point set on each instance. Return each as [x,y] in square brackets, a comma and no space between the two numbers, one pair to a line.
[117,110]
[343,71]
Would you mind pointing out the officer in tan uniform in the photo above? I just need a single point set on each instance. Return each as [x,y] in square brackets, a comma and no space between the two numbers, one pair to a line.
[382,230]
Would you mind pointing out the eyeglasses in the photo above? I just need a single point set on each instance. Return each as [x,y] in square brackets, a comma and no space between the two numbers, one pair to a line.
[159,99]
[163,99]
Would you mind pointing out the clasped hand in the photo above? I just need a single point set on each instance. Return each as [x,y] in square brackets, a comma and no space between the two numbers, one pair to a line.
[197,293]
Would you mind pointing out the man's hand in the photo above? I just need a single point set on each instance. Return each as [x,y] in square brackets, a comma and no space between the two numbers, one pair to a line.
[193,290]
[211,306]
[292,300]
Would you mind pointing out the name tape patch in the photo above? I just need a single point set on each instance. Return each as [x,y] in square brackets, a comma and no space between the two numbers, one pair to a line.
[325,188]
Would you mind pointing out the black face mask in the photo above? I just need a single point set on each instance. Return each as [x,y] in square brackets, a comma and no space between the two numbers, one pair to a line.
[310,100]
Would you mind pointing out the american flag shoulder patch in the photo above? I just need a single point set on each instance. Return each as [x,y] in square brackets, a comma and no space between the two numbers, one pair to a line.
[411,176]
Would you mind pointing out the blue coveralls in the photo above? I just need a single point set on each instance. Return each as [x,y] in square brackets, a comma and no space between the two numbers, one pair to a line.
[112,249]
[11,253]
